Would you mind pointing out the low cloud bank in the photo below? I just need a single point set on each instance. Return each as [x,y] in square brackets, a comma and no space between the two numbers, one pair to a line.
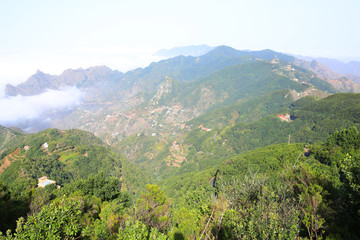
[19,110]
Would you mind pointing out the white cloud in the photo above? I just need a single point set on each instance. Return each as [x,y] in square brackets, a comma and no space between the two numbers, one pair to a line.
[19,109]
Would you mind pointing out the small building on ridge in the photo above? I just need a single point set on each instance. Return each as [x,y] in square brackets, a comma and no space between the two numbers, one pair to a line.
[44,181]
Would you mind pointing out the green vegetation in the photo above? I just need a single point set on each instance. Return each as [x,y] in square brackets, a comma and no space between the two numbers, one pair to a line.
[312,121]
[283,191]
[70,155]
[238,100]
[244,81]
[237,171]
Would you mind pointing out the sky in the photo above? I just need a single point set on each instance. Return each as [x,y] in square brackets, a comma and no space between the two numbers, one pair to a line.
[54,35]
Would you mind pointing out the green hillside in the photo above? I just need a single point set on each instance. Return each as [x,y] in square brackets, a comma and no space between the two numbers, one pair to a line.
[228,145]
[62,156]
[245,126]
[279,181]
[9,138]
[240,94]
[312,121]
[248,80]
[68,155]
[283,191]
[280,191]
[189,68]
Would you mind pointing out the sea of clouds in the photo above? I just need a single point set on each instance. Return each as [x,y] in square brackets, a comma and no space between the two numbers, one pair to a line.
[21,110]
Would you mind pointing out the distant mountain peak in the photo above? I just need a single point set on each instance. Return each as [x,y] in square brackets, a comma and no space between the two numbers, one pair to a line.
[194,50]
[223,49]
[40,81]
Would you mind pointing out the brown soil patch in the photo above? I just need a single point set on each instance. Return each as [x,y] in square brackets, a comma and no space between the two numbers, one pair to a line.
[176,157]
[16,152]
[149,155]
[9,159]
[5,165]
[63,132]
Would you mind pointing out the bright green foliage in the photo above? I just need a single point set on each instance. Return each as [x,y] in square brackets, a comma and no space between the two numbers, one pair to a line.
[137,230]
[134,177]
[154,208]
[257,212]
[350,167]
[237,129]
[310,200]
[110,219]
[342,156]
[134,230]
[59,220]
[41,197]
[191,190]
[97,185]
[155,234]
[71,155]
[282,191]
[187,222]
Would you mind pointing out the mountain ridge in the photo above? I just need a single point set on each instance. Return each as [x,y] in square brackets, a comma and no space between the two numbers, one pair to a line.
[180,67]
[224,134]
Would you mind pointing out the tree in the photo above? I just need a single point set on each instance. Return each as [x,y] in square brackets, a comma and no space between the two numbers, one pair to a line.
[59,220]
[154,208]
[257,211]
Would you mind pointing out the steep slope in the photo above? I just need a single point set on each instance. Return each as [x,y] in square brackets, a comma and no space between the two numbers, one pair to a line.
[339,81]
[180,68]
[237,94]
[8,137]
[253,79]
[175,103]
[105,91]
[205,141]
[64,156]
[310,121]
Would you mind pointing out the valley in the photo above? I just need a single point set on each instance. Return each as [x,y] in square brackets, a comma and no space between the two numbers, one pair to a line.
[189,145]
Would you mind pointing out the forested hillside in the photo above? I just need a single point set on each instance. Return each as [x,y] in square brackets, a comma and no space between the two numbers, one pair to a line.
[284,191]
[228,145]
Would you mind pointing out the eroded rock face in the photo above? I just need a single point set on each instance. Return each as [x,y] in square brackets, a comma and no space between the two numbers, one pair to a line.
[36,84]
[164,89]
[340,82]
[82,78]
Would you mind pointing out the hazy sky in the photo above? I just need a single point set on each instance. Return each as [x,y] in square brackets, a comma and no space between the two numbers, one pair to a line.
[54,35]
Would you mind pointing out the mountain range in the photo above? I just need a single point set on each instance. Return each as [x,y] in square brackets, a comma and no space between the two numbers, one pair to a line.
[109,91]
[153,115]
[180,68]
[232,137]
